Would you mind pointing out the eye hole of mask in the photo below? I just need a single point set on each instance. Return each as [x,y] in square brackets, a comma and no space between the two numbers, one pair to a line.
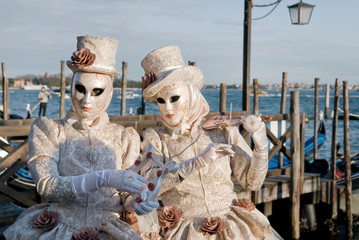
[80,88]
[160,100]
[97,91]
[175,98]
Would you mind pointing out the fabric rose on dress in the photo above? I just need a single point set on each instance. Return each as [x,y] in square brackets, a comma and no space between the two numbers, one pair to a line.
[86,233]
[130,218]
[83,58]
[46,220]
[244,203]
[169,217]
[213,226]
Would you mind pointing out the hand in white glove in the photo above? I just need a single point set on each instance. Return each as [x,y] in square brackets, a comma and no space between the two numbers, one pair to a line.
[123,180]
[139,206]
[252,123]
[210,154]
[257,128]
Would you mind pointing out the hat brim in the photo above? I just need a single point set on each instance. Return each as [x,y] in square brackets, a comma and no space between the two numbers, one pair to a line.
[92,69]
[188,74]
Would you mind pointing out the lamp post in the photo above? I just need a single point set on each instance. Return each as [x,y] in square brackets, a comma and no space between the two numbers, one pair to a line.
[300,13]
[247,26]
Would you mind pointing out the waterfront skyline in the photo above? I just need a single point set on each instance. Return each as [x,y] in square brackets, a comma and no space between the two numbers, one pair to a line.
[36,35]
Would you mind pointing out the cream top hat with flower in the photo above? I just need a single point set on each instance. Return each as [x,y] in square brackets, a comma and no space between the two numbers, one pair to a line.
[168,66]
[94,54]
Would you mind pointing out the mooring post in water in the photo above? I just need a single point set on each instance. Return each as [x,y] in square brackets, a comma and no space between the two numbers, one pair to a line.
[62,89]
[348,172]
[5,93]
[303,116]
[327,94]
[282,111]
[315,150]
[255,97]
[124,87]
[191,63]
[333,166]
[255,101]
[222,98]
[295,165]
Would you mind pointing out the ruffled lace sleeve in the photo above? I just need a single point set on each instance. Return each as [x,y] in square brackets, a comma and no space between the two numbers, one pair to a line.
[43,161]
[244,172]
[161,155]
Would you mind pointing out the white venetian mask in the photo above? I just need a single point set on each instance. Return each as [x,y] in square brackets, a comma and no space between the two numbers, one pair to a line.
[173,103]
[91,94]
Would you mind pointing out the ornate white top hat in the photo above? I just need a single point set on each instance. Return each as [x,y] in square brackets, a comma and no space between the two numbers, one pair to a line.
[94,54]
[168,66]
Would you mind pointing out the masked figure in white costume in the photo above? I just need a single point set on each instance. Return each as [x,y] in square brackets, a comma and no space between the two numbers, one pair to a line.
[77,163]
[199,201]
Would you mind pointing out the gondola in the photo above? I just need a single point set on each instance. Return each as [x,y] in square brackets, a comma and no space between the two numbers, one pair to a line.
[16,116]
[352,116]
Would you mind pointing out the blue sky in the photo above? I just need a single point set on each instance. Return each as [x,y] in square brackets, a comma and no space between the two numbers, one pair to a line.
[37,34]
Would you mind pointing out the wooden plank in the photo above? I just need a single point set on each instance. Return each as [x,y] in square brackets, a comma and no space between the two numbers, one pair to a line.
[274,130]
[279,144]
[5,146]
[30,194]
[11,170]
[14,155]
[16,195]
[279,187]
[14,131]
[280,171]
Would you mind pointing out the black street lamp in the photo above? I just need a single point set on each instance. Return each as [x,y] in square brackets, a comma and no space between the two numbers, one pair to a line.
[300,13]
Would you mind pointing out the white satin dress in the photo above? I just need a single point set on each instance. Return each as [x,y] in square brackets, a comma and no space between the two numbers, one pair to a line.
[208,192]
[64,148]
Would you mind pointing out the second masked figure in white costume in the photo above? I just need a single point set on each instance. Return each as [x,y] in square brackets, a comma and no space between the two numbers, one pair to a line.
[199,201]
[78,162]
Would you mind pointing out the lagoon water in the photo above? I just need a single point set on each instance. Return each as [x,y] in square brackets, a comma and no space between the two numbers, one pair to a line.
[267,105]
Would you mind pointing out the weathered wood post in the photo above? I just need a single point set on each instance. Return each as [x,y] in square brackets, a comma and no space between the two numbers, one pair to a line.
[255,101]
[333,166]
[282,111]
[124,88]
[255,96]
[5,93]
[191,63]
[222,98]
[327,95]
[303,116]
[62,89]
[315,150]
[295,165]
[348,172]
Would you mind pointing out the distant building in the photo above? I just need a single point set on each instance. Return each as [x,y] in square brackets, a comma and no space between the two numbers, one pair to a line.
[19,83]
[47,75]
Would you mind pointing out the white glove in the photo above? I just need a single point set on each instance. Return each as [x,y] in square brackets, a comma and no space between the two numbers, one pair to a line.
[210,154]
[257,128]
[140,207]
[252,123]
[123,180]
